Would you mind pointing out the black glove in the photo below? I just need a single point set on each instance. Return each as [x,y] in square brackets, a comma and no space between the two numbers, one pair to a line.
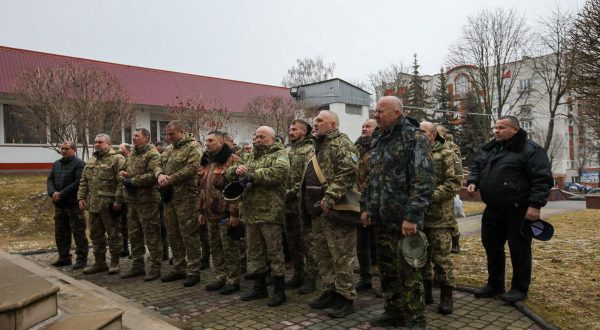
[166,193]
[131,190]
[289,196]
[247,181]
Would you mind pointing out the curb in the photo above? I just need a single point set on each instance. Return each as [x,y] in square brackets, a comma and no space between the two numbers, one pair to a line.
[519,306]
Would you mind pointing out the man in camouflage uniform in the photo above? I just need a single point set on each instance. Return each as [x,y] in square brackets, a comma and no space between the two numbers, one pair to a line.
[218,215]
[98,194]
[398,193]
[364,234]
[141,195]
[334,243]
[299,237]
[179,179]
[439,219]
[456,149]
[264,173]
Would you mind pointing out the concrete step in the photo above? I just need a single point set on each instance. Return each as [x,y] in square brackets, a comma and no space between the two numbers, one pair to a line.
[26,299]
[101,320]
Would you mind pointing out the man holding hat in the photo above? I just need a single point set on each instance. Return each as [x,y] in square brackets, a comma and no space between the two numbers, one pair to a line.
[514,177]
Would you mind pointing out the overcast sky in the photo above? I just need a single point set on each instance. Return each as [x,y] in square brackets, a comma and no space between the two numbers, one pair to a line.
[250,40]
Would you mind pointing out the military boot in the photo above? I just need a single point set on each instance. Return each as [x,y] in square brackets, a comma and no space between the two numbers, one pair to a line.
[342,308]
[446,301]
[278,296]
[114,264]
[309,286]
[428,291]
[258,291]
[153,274]
[388,319]
[98,266]
[296,280]
[326,299]
[134,271]
[455,245]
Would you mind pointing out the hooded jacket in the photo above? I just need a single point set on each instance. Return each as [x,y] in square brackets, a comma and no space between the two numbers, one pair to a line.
[98,185]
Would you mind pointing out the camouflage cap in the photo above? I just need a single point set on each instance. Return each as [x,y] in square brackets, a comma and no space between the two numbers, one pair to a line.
[414,249]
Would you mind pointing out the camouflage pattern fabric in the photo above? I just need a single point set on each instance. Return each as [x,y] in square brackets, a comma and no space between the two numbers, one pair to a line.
[401,284]
[180,162]
[459,171]
[143,166]
[299,154]
[438,254]
[225,253]
[70,221]
[334,246]
[105,229]
[440,212]
[264,245]
[264,201]
[364,162]
[98,184]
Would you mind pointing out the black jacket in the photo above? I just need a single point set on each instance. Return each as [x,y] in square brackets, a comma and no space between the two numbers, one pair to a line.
[64,178]
[513,174]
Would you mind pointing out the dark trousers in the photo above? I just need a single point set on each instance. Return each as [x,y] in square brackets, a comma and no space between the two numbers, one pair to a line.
[364,238]
[497,227]
[70,222]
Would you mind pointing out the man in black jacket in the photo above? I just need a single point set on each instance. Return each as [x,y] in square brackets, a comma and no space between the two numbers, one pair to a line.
[62,184]
[514,178]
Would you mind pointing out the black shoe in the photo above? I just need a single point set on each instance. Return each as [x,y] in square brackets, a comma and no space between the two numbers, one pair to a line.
[62,263]
[309,286]
[191,280]
[513,296]
[427,284]
[173,276]
[255,293]
[204,264]
[326,299]
[134,272]
[388,319]
[364,285]
[344,308]
[487,292]
[80,264]
[214,286]
[446,300]
[278,297]
[229,289]
[455,245]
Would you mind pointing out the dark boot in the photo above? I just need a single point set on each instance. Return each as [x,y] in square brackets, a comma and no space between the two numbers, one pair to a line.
[258,291]
[487,292]
[80,263]
[61,262]
[455,246]
[296,280]
[191,280]
[428,292]
[153,274]
[229,289]
[388,319]
[364,285]
[278,297]
[342,308]
[446,301]
[326,299]
[135,271]
[98,266]
[215,286]
[309,286]
[173,276]
[513,296]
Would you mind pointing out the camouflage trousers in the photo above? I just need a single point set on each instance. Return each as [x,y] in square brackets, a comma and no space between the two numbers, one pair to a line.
[454,229]
[144,229]
[334,246]
[299,239]
[438,256]
[204,243]
[225,252]
[181,219]
[401,284]
[70,222]
[265,244]
[104,228]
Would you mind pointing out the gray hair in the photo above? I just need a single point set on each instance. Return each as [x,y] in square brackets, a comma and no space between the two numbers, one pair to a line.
[177,125]
[104,136]
[268,129]
[513,121]
[71,144]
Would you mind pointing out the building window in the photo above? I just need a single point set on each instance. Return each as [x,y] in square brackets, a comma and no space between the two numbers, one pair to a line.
[526,125]
[20,126]
[525,111]
[352,109]
[524,85]
[462,85]
[157,130]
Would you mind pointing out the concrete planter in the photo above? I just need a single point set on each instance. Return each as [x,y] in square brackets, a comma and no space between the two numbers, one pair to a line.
[592,202]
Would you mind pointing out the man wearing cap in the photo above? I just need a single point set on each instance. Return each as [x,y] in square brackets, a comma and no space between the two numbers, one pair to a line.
[439,219]
[514,177]
[218,215]
[394,201]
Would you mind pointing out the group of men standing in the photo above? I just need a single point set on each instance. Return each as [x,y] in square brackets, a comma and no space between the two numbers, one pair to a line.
[406,172]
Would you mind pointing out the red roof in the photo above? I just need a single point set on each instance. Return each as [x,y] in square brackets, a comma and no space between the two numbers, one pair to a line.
[144,85]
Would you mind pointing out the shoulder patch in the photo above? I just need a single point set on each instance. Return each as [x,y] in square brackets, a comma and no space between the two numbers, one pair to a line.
[354,157]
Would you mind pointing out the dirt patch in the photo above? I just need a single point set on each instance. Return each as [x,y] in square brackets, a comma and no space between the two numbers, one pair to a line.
[565,288]
[472,208]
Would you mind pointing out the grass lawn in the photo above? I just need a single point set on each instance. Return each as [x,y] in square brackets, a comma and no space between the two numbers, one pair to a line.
[472,208]
[565,288]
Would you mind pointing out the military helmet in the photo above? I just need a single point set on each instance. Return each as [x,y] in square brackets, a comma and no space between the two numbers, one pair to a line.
[414,249]
[233,192]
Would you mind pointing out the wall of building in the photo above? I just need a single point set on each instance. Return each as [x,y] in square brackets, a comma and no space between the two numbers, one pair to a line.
[350,124]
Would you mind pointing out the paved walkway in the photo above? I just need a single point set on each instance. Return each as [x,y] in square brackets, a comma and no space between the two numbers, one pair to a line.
[195,308]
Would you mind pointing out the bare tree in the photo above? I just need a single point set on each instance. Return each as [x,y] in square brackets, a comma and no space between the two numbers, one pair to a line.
[558,145]
[307,71]
[74,103]
[552,64]
[277,112]
[198,118]
[492,45]
[392,80]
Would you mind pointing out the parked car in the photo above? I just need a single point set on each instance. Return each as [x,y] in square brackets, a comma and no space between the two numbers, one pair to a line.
[581,197]
[576,187]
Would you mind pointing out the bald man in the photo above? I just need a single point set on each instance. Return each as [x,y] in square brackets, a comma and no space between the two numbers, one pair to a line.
[439,219]
[394,201]
[264,173]
[328,177]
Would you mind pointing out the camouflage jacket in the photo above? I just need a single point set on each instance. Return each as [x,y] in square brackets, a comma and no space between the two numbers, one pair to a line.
[299,154]
[98,185]
[337,157]
[180,161]
[264,201]
[401,176]
[143,166]
[211,182]
[440,212]
[364,149]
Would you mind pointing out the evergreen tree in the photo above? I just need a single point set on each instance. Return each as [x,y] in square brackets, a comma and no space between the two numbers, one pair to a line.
[476,129]
[446,107]
[417,97]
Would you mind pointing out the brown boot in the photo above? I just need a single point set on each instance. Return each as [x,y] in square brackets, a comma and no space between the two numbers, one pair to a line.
[98,266]
[114,264]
